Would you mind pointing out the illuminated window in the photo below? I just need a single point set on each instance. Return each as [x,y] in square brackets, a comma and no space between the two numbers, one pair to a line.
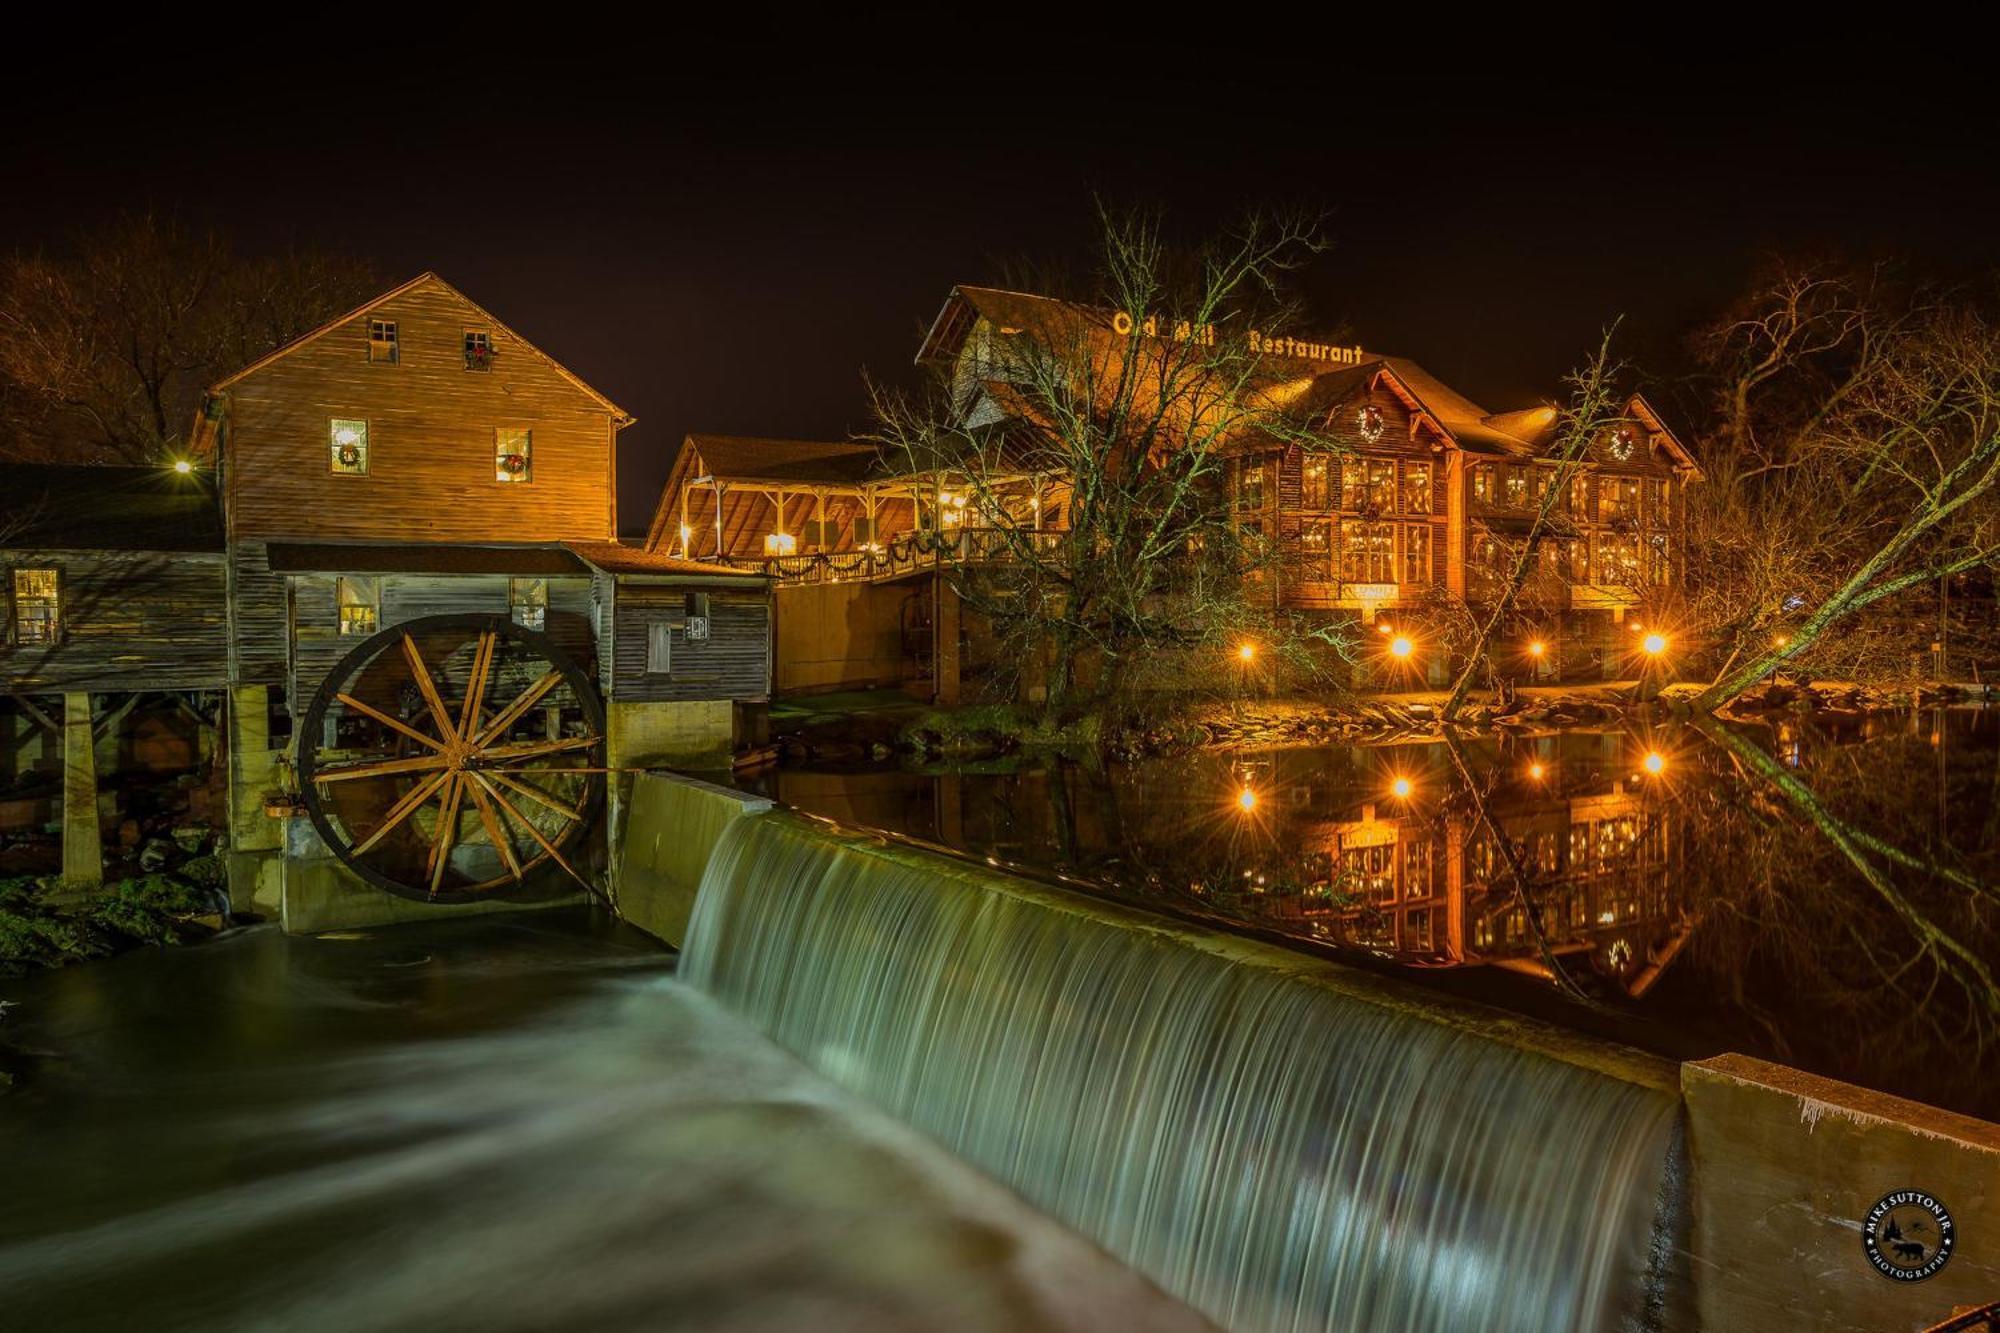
[1353,482]
[360,602]
[513,457]
[382,340]
[1579,496]
[1382,485]
[1618,497]
[348,447]
[1658,563]
[1482,483]
[1314,491]
[1618,559]
[1250,484]
[1516,480]
[1417,488]
[37,606]
[478,349]
[1417,553]
[528,602]
[1579,561]
[1316,550]
[1368,552]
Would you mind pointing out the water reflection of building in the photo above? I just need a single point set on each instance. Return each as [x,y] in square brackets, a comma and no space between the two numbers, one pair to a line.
[1425,882]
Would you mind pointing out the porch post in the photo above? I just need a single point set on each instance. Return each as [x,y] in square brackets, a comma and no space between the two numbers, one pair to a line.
[82,838]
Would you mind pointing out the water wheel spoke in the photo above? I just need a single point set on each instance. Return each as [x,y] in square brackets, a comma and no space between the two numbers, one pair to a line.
[428,688]
[447,830]
[535,794]
[508,807]
[519,750]
[475,688]
[394,724]
[511,714]
[402,810]
[495,830]
[379,768]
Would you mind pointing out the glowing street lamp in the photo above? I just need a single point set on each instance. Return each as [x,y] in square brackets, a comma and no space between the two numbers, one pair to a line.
[1401,789]
[1400,647]
[1654,644]
[1535,770]
[1246,652]
[1654,762]
[1246,800]
[182,466]
[1537,648]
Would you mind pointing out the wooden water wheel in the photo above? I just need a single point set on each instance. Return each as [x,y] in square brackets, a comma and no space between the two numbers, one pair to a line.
[453,758]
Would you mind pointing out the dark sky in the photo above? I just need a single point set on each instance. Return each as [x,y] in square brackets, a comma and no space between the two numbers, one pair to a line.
[724,239]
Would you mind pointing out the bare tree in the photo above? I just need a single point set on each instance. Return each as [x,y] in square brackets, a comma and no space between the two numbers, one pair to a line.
[1084,446]
[105,352]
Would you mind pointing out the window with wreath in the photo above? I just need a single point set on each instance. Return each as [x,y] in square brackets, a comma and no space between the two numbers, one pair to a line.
[1367,552]
[347,445]
[1417,488]
[513,454]
[1314,490]
[37,606]
[360,603]
[528,602]
[478,349]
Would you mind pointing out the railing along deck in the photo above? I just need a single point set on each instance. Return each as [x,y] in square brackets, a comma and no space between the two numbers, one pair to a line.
[905,554]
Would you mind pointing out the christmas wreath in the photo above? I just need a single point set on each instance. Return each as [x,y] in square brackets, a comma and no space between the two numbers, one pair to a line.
[1369,421]
[1623,441]
[513,464]
[349,455]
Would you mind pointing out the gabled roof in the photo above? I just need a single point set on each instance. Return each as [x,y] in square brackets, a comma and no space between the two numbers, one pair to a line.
[52,506]
[1652,421]
[618,413]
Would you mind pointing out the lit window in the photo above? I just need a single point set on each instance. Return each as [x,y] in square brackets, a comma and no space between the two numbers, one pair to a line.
[478,349]
[1618,497]
[659,649]
[1417,554]
[1250,484]
[360,602]
[1482,483]
[382,340]
[695,612]
[513,457]
[1316,550]
[1314,492]
[37,608]
[1579,496]
[528,602]
[1417,488]
[1382,486]
[1368,552]
[348,442]
[1517,488]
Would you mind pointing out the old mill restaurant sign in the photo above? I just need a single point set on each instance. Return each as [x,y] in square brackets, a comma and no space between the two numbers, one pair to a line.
[1260,344]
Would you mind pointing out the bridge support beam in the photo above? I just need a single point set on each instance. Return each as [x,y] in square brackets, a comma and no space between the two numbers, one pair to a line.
[83,836]
[945,618]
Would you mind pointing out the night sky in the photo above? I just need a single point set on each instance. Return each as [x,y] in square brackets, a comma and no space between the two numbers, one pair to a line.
[724,241]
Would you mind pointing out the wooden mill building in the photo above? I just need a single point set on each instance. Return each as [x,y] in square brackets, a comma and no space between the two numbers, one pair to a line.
[413,458]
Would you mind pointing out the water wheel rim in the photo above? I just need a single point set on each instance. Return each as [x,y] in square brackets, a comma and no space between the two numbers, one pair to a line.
[534,871]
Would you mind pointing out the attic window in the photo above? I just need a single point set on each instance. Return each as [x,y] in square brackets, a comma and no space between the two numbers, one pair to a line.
[513,458]
[528,600]
[348,446]
[360,602]
[478,349]
[37,606]
[382,340]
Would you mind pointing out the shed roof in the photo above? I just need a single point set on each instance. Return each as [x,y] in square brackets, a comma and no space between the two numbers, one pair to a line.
[60,506]
[784,460]
[618,558]
[420,558]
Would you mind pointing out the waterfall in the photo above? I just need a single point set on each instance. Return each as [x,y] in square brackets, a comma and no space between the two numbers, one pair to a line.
[1284,1143]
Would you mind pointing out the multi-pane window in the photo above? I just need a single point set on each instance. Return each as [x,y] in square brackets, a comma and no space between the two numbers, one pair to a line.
[382,345]
[1417,553]
[1417,488]
[1367,552]
[1618,559]
[1314,492]
[1516,483]
[347,447]
[478,349]
[37,606]
[1656,501]
[360,603]
[695,616]
[1657,560]
[528,602]
[1316,550]
[513,456]
[1579,496]
[1250,484]
[1579,561]
[1482,483]
[1382,485]
[1618,497]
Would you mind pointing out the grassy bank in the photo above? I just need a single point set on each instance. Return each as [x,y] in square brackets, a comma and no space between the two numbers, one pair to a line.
[41,929]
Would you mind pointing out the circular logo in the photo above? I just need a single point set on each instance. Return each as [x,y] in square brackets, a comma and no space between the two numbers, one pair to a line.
[1908,1235]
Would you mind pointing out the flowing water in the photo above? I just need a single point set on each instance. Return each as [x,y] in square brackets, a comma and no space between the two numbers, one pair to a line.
[1284,1155]
[485,1126]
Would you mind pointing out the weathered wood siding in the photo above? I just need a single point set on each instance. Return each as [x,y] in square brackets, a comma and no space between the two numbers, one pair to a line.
[130,620]
[317,643]
[259,617]
[431,426]
[732,663]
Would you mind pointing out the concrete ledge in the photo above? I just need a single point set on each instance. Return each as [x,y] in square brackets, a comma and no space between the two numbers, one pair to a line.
[670,831]
[1785,1167]
[317,892]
